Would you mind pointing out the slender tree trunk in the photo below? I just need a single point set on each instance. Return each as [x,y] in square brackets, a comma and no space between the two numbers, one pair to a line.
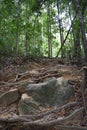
[64,39]
[18,26]
[50,41]
[71,23]
[26,35]
[77,46]
[73,33]
[49,31]
[60,29]
[17,38]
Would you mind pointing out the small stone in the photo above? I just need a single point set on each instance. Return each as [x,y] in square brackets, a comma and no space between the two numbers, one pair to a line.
[27,105]
[9,97]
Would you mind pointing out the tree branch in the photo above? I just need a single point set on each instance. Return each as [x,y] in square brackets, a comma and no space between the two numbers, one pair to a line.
[65,38]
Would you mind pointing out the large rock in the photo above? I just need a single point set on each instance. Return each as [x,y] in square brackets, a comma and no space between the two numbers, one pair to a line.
[52,92]
[27,105]
[9,97]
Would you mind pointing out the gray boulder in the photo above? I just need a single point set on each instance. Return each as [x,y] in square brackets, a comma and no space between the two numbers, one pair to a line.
[9,97]
[52,92]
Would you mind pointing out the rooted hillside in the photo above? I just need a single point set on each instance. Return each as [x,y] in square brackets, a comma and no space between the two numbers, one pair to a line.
[67,116]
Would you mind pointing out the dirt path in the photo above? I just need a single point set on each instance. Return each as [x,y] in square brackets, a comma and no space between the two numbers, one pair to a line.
[34,72]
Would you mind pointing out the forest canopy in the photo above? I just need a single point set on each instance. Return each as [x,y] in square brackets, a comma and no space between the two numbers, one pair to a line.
[51,28]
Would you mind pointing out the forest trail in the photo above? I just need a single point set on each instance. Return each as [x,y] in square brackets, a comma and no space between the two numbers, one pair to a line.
[67,70]
[36,72]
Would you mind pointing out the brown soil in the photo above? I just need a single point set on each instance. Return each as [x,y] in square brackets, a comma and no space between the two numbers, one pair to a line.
[36,72]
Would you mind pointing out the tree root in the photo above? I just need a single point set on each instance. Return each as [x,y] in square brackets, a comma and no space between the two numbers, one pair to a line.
[40,121]
[55,121]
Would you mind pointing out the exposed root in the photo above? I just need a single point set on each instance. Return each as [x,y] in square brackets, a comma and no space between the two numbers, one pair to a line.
[39,120]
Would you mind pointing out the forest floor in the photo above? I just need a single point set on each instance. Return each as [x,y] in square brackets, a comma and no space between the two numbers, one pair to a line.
[20,70]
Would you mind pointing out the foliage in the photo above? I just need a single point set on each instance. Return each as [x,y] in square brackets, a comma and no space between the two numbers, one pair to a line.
[24,26]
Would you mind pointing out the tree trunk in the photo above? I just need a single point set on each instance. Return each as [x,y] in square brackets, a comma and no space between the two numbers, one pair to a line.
[77,47]
[18,24]
[72,31]
[26,35]
[49,31]
[82,26]
[60,29]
